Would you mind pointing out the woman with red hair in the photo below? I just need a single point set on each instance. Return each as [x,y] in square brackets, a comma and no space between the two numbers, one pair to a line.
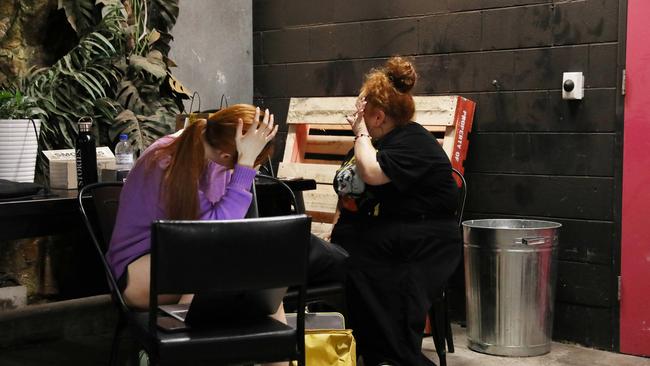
[204,172]
[397,200]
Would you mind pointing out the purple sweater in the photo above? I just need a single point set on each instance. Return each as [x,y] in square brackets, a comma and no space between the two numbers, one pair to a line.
[223,194]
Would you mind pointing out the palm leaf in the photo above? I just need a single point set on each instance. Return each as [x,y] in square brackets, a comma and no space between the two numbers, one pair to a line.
[129,97]
[142,130]
[80,14]
[178,88]
[153,64]
[162,14]
[71,88]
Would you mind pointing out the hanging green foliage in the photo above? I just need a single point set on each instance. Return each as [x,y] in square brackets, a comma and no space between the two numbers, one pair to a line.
[114,74]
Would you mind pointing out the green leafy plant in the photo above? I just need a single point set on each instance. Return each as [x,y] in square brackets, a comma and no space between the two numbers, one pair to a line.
[118,74]
[15,105]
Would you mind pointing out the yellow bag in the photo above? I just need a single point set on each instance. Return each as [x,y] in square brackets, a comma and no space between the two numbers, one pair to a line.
[330,347]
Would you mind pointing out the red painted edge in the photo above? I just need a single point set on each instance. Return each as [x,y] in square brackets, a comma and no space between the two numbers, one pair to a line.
[463,119]
[635,231]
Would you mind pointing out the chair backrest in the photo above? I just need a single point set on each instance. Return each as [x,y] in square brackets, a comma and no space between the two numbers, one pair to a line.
[288,193]
[105,201]
[248,254]
[227,255]
[462,195]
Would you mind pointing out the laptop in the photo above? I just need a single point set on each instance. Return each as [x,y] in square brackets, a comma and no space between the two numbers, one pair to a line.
[210,308]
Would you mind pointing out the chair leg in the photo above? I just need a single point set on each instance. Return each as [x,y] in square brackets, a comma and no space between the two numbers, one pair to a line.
[438,329]
[449,336]
[115,344]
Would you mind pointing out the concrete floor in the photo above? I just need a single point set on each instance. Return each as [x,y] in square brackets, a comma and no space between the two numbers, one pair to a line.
[78,332]
[561,355]
[94,351]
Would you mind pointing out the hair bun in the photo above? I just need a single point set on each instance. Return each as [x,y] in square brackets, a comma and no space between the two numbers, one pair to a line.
[401,74]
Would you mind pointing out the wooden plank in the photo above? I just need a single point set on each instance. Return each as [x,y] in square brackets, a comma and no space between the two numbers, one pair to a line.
[552,196]
[336,127]
[289,144]
[294,148]
[322,199]
[346,127]
[448,142]
[432,129]
[321,173]
[320,110]
[323,144]
[321,217]
[429,110]
[337,163]
[340,145]
[435,110]
[321,230]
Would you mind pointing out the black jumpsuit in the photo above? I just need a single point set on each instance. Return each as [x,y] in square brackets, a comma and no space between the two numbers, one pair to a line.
[403,242]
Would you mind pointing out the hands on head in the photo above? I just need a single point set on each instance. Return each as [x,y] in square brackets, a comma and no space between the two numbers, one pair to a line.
[356,120]
[251,143]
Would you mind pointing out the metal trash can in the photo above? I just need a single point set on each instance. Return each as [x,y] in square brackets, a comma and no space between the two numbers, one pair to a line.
[510,272]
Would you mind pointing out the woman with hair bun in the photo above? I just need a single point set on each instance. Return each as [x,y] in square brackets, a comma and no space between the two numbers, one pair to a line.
[397,199]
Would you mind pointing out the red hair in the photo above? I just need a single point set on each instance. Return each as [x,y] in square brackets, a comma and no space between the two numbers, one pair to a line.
[188,162]
[389,88]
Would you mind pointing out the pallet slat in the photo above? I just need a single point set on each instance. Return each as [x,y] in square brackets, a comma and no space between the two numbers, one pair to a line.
[338,145]
[321,173]
[321,229]
[322,199]
[429,111]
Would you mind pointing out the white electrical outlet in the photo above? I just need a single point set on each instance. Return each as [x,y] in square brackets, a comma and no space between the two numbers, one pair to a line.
[573,86]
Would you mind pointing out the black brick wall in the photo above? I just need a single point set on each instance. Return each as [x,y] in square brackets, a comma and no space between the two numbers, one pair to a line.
[531,153]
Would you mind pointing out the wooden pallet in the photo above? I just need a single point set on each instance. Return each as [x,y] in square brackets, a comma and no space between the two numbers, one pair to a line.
[319,137]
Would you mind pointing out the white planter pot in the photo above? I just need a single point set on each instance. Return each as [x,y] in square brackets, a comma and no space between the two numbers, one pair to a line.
[13,297]
[18,147]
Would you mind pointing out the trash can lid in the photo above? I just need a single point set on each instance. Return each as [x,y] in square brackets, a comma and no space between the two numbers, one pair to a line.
[511,224]
[503,233]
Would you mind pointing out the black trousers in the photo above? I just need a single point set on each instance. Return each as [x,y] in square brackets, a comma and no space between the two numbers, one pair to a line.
[326,262]
[393,272]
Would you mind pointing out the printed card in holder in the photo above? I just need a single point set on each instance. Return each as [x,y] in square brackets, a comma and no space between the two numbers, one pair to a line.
[63,166]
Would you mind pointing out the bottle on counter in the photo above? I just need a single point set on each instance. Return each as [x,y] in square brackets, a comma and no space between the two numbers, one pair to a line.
[123,157]
[86,153]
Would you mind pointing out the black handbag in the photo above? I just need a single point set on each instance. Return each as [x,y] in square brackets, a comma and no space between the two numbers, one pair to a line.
[13,190]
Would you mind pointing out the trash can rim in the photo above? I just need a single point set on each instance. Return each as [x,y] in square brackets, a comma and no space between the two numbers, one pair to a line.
[483,224]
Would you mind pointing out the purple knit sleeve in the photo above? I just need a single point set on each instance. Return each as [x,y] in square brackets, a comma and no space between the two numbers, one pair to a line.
[235,201]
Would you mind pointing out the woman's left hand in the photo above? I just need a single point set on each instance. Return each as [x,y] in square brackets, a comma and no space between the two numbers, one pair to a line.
[251,143]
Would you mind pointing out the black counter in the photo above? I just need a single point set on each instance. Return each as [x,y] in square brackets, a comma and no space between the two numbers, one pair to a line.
[59,212]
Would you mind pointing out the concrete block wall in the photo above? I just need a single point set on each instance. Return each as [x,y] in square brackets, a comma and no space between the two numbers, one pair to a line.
[531,154]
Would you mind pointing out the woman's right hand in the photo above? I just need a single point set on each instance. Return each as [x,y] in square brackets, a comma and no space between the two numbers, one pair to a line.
[355,120]
[251,144]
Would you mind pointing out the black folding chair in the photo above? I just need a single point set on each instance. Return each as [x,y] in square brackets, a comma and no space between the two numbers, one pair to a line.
[208,256]
[439,312]
[98,204]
